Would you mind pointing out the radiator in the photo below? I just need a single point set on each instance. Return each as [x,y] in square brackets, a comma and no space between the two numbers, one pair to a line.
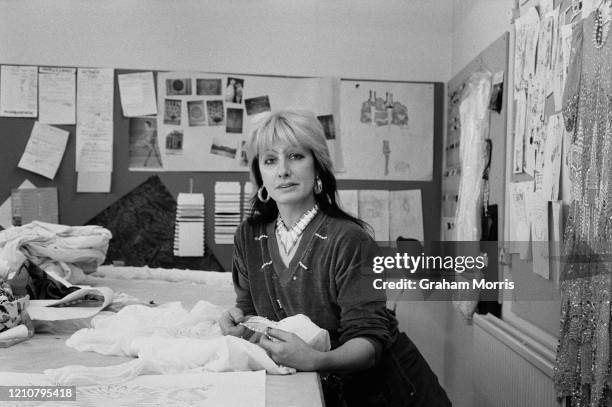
[511,369]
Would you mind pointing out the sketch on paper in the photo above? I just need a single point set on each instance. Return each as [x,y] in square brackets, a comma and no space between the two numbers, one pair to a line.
[388,138]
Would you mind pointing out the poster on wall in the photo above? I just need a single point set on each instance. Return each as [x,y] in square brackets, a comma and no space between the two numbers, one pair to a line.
[387,130]
[205,120]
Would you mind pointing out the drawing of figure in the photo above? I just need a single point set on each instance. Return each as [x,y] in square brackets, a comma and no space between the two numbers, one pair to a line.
[387,154]
[230,91]
[238,93]
[149,142]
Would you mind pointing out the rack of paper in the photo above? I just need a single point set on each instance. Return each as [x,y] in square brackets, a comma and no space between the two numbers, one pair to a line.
[227,211]
[189,226]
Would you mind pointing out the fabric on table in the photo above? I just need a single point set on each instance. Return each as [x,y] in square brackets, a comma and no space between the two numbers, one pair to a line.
[169,339]
[40,242]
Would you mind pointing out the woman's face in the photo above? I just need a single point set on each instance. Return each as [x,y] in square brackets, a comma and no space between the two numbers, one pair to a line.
[288,173]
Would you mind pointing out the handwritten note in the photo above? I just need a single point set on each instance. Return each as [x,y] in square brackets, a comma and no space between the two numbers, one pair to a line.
[57,95]
[137,94]
[18,91]
[44,150]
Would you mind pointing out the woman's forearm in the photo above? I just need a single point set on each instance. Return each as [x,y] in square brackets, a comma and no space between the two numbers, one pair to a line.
[355,354]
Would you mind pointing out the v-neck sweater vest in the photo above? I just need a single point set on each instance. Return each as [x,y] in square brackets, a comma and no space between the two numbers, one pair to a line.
[329,279]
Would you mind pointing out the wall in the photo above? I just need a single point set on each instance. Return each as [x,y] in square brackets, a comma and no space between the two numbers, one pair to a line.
[477,23]
[348,38]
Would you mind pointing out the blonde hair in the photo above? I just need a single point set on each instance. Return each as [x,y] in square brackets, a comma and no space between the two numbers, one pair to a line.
[297,127]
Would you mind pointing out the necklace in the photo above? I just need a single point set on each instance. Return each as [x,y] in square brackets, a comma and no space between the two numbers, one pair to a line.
[288,237]
[601,26]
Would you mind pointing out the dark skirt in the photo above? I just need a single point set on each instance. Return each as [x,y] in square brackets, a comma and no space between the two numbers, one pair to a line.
[401,378]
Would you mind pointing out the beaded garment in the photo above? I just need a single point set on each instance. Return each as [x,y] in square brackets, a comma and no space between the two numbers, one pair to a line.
[582,367]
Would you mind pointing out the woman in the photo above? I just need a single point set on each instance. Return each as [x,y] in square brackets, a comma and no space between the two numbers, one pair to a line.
[300,253]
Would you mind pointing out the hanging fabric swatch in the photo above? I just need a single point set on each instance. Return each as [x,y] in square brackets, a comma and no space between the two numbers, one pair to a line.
[189,226]
[227,211]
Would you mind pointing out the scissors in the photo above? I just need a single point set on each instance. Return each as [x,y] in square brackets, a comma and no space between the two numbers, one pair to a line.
[258,324]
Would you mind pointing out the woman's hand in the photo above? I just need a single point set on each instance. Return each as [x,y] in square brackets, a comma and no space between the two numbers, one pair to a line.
[290,350]
[229,322]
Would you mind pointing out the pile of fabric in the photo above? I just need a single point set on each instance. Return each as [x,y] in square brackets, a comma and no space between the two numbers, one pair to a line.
[63,251]
[169,339]
[39,261]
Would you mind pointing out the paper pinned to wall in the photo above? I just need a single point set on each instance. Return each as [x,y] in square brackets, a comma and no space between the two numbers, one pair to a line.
[387,130]
[537,209]
[94,131]
[405,215]
[18,91]
[374,209]
[552,157]
[38,204]
[94,181]
[44,151]
[57,95]
[137,92]
[520,229]
[6,209]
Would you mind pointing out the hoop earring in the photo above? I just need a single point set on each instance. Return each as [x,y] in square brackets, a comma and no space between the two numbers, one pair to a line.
[260,194]
[318,187]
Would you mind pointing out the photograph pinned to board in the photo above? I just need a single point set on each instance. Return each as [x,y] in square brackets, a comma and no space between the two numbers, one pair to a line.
[318,95]
[197,117]
[243,154]
[39,204]
[172,112]
[257,105]
[144,153]
[327,121]
[234,120]
[214,111]
[234,90]
[180,86]
[174,142]
[224,147]
[387,130]
[208,86]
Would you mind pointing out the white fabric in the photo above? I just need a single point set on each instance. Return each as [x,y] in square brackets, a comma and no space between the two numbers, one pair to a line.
[46,244]
[474,130]
[169,339]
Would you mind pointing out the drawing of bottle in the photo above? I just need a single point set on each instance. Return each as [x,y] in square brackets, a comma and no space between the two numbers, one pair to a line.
[366,110]
[386,152]
[373,110]
[389,108]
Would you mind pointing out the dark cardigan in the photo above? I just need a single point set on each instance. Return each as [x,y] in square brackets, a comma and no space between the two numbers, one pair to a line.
[329,279]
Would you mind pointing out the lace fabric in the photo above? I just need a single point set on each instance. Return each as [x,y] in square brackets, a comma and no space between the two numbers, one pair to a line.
[582,367]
